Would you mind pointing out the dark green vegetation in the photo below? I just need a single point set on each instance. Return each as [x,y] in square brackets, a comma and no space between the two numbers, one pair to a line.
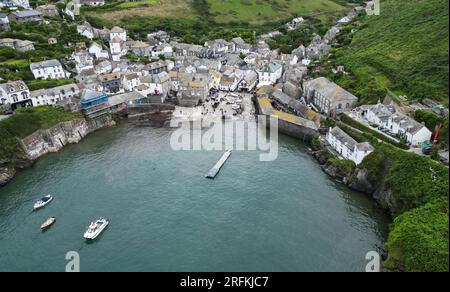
[303,35]
[432,121]
[25,122]
[404,51]
[413,188]
[419,239]
[16,65]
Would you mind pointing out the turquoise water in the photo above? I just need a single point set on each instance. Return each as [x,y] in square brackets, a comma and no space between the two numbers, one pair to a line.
[284,215]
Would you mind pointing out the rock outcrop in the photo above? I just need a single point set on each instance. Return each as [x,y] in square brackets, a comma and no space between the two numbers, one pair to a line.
[50,140]
[54,139]
[6,174]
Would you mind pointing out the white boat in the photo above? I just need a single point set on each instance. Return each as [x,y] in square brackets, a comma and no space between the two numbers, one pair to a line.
[42,202]
[96,228]
[49,222]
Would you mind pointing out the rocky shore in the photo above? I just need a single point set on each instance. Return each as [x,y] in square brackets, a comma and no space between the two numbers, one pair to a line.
[50,140]
[357,178]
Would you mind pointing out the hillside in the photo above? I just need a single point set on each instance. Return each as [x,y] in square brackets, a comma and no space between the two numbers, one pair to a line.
[196,21]
[222,11]
[404,50]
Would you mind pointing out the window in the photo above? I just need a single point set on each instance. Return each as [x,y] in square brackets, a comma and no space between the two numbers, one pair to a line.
[347,105]
[24,95]
[339,106]
[15,97]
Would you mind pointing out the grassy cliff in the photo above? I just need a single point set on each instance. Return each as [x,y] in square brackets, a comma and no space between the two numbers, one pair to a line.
[26,122]
[404,50]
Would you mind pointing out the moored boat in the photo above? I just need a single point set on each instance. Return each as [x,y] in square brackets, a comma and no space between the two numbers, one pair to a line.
[95,228]
[49,222]
[42,202]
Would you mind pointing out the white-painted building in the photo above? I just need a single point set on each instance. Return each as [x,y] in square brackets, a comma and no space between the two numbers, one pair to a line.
[51,69]
[408,128]
[83,61]
[249,81]
[377,114]
[98,51]
[269,74]
[103,67]
[163,49]
[130,81]
[16,94]
[54,95]
[347,147]
[86,30]
[117,48]
[119,33]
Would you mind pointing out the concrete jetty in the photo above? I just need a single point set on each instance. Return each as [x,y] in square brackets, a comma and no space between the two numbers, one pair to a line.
[216,168]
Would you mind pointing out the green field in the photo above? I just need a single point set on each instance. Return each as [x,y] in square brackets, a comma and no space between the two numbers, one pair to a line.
[221,11]
[258,11]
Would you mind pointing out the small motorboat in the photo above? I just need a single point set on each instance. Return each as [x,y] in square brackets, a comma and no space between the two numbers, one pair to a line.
[49,222]
[42,202]
[95,228]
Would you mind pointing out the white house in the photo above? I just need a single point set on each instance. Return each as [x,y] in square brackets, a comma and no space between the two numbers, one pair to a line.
[16,94]
[269,74]
[249,82]
[406,127]
[230,79]
[163,49]
[240,46]
[97,50]
[83,61]
[157,84]
[54,95]
[48,69]
[104,66]
[86,30]
[119,33]
[347,147]
[117,48]
[377,114]
[130,81]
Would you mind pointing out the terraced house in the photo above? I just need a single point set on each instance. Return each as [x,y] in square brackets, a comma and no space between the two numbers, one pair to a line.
[54,95]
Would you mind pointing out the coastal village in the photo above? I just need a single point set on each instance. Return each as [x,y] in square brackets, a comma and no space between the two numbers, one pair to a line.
[367,130]
[228,79]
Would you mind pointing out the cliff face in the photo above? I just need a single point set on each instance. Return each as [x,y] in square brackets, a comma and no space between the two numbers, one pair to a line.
[359,179]
[54,139]
[50,140]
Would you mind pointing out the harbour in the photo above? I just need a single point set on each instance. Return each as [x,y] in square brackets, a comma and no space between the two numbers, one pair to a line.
[166,218]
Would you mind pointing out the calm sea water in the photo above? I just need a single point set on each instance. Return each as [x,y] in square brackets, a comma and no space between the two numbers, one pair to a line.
[284,215]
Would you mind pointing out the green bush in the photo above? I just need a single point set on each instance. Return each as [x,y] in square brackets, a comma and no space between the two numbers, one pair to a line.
[418,240]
